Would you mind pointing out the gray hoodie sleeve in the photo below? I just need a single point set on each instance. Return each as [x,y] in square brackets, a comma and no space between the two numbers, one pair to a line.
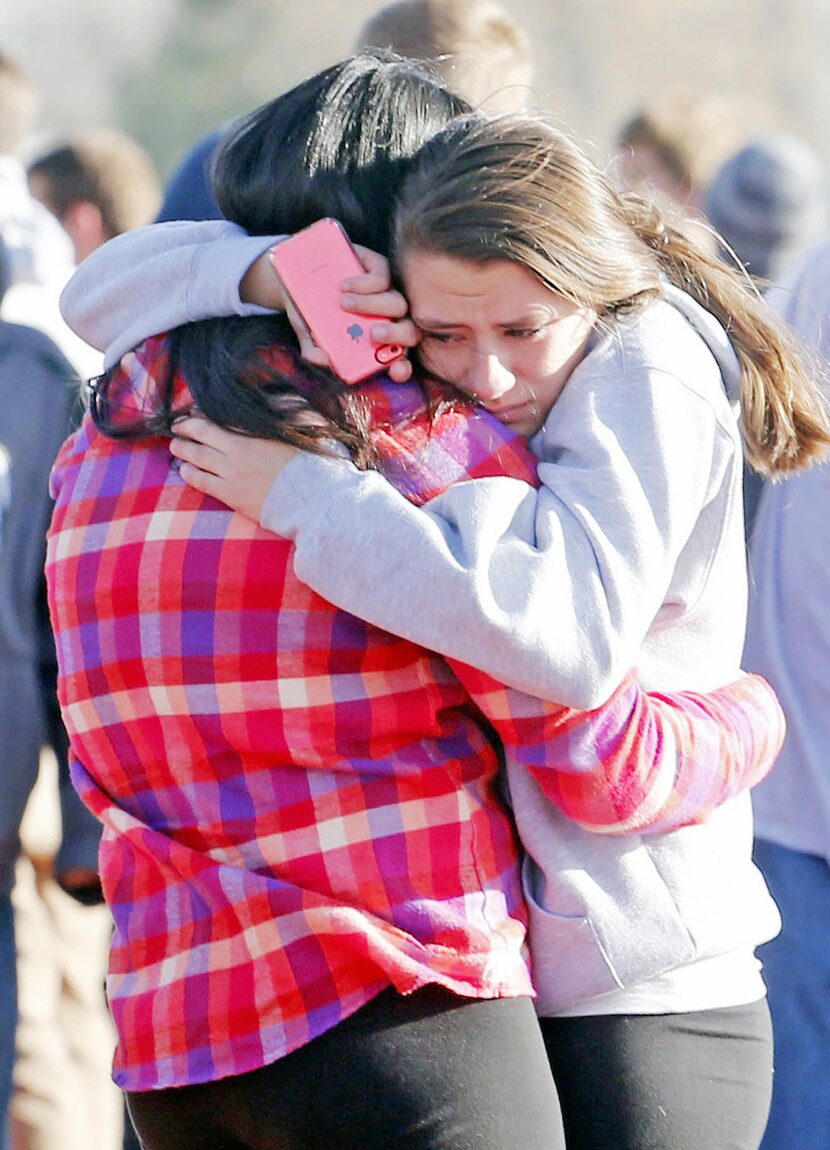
[155,278]
[549,591]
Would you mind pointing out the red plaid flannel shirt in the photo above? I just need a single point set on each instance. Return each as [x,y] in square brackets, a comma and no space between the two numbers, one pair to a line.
[300,810]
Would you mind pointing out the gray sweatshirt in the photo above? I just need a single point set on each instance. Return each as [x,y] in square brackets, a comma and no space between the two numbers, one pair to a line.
[630,554]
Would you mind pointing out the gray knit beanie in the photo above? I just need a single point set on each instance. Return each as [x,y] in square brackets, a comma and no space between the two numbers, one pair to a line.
[769,202]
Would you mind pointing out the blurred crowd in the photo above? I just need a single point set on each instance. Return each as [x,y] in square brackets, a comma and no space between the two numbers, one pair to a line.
[760,198]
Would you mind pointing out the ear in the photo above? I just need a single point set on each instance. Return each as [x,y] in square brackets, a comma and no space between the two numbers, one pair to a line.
[85,225]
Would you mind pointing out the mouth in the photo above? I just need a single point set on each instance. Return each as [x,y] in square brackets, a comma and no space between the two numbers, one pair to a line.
[515,412]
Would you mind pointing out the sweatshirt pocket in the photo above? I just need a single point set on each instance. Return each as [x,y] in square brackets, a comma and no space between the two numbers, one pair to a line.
[631,929]
[568,962]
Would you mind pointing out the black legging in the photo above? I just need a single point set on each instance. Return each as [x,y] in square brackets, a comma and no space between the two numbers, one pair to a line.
[429,1071]
[697,1081]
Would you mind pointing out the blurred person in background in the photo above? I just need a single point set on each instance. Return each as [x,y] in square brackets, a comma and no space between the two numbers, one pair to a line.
[672,146]
[98,184]
[38,390]
[788,641]
[769,201]
[39,260]
[39,249]
[476,48]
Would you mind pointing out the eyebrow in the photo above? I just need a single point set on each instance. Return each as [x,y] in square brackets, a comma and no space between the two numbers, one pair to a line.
[433,323]
[445,325]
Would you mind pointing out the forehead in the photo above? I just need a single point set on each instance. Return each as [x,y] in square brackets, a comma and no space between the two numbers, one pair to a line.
[437,280]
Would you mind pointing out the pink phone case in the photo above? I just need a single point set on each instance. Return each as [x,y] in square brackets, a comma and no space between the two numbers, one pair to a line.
[312,265]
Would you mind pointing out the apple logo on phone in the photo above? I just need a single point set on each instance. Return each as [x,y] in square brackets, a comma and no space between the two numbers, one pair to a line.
[355,331]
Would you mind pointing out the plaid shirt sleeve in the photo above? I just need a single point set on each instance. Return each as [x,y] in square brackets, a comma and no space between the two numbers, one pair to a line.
[643,762]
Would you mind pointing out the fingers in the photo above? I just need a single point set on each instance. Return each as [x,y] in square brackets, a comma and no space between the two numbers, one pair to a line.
[372,293]
[309,350]
[403,332]
[235,469]
[389,304]
[197,429]
[368,294]
[197,455]
[202,481]
[378,277]
[209,471]
[400,371]
[208,451]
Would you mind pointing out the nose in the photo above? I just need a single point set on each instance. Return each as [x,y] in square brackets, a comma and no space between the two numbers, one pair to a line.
[488,378]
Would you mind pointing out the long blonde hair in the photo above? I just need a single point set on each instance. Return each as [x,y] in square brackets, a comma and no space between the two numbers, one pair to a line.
[518,189]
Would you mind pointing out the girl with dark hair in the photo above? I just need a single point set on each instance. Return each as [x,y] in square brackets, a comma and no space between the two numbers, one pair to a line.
[318,926]
[312,878]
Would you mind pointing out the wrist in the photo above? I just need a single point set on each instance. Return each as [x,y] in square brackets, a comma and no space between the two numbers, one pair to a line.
[261,284]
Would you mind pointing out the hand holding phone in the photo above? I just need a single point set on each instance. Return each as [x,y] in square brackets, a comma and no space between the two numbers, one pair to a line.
[312,265]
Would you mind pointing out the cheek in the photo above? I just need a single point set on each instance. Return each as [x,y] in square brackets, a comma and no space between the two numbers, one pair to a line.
[546,369]
[566,346]
[543,364]
[447,361]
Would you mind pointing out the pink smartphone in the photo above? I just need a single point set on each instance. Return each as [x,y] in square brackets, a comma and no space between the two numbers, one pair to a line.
[312,265]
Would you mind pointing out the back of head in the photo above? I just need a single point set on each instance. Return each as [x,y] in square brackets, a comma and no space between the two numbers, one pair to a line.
[103,167]
[336,145]
[18,106]
[475,46]
[769,202]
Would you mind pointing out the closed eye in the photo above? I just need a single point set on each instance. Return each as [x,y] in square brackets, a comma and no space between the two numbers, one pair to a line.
[442,336]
